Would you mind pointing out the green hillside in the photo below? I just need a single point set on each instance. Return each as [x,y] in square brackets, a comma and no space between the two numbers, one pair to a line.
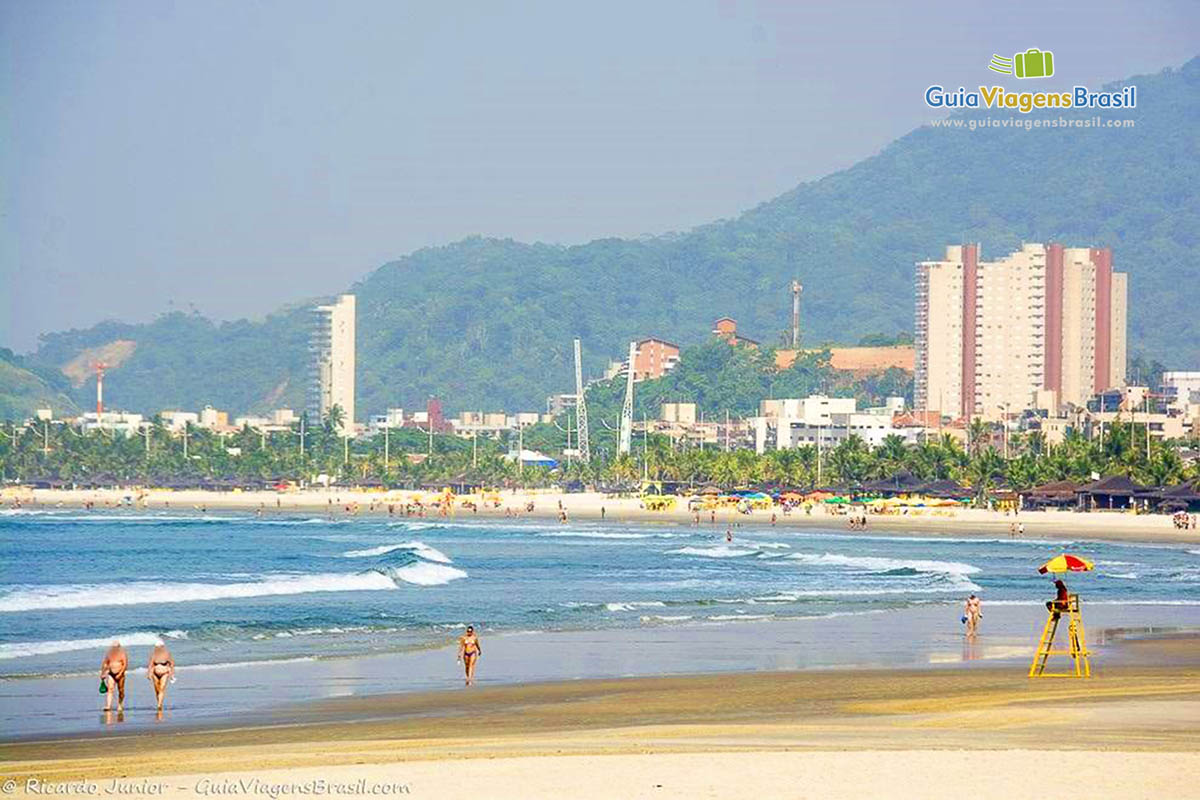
[23,390]
[488,323]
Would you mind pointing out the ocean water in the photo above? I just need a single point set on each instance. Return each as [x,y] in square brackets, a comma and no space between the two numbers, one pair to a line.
[230,589]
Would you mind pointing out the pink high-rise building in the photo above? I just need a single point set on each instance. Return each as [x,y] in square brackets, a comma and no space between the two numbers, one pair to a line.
[992,337]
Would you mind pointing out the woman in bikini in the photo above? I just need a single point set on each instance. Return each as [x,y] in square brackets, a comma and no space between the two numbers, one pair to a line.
[469,652]
[160,670]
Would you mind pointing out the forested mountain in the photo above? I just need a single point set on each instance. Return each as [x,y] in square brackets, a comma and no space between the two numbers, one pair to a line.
[23,389]
[486,323]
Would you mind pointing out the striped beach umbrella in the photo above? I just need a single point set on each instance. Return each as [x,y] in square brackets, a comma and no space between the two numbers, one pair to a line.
[1066,563]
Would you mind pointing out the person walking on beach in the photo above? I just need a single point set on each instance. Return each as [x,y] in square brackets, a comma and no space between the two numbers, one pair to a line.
[469,652]
[973,611]
[112,675]
[160,670]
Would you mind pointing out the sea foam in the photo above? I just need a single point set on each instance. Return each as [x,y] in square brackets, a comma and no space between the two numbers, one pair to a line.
[417,548]
[142,592]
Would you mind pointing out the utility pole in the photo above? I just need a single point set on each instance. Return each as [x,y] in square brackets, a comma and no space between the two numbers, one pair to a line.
[627,408]
[302,437]
[581,415]
[146,436]
[520,449]
[46,437]
[645,448]
[1147,425]
[1004,431]
[345,450]
[818,455]
[727,430]
[185,440]
[475,447]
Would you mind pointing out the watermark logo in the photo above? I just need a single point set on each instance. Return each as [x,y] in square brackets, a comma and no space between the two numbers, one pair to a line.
[1033,63]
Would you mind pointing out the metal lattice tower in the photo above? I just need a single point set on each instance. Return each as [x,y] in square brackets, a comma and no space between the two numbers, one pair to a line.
[627,409]
[581,418]
[796,289]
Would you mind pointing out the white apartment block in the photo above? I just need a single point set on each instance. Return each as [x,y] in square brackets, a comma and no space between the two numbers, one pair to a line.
[332,348]
[822,421]
[1182,390]
[991,336]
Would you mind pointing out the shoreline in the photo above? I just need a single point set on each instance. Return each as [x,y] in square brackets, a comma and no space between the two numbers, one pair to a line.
[594,507]
[917,640]
[863,714]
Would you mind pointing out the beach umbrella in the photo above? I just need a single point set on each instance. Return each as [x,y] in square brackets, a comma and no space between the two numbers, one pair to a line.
[1066,563]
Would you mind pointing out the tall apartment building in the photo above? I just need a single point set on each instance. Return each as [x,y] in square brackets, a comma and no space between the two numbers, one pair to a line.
[991,334]
[332,347]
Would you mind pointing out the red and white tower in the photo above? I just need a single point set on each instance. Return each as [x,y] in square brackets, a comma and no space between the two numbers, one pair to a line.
[100,367]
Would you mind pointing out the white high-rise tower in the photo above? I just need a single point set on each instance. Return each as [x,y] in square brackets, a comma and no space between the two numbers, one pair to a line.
[332,347]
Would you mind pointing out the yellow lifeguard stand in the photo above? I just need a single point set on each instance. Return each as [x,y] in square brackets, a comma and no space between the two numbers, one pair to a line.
[1076,644]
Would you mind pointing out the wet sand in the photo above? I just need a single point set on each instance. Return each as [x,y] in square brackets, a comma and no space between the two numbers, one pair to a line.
[1134,730]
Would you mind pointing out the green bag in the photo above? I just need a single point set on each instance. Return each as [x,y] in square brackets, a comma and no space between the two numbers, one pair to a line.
[1034,63]
[103,686]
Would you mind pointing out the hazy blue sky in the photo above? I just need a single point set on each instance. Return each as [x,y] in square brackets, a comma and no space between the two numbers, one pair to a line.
[240,155]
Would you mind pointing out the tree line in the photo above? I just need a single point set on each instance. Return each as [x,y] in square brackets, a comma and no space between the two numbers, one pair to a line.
[410,457]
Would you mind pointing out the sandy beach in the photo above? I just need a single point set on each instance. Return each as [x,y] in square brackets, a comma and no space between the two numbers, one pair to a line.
[1100,525]
[892,705]
[1130,732]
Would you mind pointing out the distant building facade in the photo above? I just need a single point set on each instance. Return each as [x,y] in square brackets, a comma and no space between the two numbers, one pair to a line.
[726,328]
[991,335]
[333,361]
[825,422]
[654,358]
[1181,390]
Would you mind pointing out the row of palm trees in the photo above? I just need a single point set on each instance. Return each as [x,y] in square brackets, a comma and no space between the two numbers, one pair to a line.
[412,457]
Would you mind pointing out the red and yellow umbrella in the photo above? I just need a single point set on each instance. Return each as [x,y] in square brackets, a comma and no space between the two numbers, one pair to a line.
[1066,563]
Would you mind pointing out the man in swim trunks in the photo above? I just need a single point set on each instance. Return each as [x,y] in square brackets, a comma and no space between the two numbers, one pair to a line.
[160,670]
[972,611]
[112,673]
[469,652]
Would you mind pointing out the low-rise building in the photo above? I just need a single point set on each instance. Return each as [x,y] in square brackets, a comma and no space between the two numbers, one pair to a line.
[823,421]
[176,421]
[558,403]
[726,328]
[1181,390]
[111,422]
[654,358]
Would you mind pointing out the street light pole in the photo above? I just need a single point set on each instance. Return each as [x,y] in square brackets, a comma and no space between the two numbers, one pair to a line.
[818,455]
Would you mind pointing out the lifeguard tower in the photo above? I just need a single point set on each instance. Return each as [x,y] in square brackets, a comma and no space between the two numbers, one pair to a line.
[1076,641]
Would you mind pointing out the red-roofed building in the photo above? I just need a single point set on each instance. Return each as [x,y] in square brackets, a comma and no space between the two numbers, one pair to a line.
[654,358]
[726,328]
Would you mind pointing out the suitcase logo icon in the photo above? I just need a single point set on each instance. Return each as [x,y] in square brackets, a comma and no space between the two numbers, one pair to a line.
[1033,63]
